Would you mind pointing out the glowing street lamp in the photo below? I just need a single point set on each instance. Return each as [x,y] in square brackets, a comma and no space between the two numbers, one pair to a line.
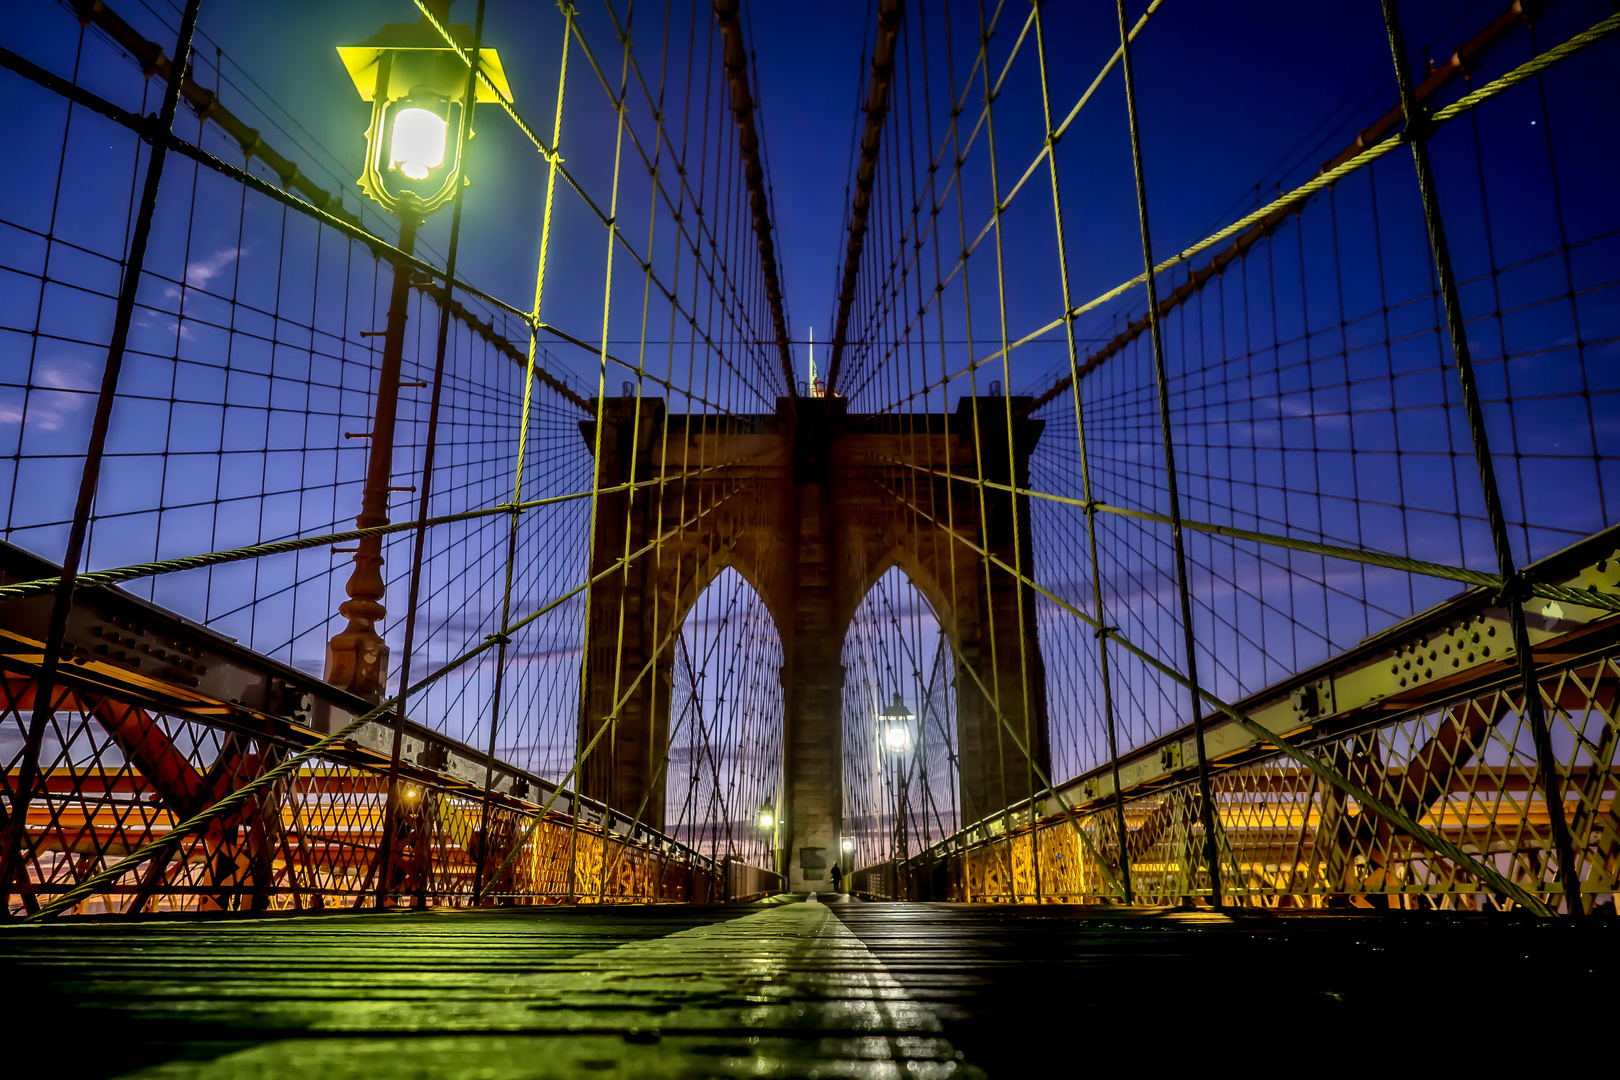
[896,720]
[897,726]
[416,84]
[847,844]
[416,146]
[767,817]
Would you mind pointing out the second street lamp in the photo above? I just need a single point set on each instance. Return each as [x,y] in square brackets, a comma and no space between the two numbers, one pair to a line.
[896,722]
[897,726]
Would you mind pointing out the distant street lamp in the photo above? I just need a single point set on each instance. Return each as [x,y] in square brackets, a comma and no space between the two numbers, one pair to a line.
[415,83]
[897,726]
[767,817]
[896,721]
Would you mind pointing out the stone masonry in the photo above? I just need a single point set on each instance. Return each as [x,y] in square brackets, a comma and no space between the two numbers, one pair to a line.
[811,506]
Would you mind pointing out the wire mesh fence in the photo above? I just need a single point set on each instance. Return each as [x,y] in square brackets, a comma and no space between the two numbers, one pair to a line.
[276,343]
[1319,418]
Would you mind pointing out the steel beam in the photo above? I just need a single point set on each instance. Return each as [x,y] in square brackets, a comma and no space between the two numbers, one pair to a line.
[1453,650]
[148,657]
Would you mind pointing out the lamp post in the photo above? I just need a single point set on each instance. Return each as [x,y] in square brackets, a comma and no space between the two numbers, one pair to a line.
[895,721]
[415,82]
[769,823]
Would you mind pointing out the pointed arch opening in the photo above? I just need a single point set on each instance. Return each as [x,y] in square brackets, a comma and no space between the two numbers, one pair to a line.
[726,723]
[901,777]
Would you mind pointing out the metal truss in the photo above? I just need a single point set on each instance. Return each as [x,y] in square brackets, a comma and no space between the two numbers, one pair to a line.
[156,718]
[1427,715]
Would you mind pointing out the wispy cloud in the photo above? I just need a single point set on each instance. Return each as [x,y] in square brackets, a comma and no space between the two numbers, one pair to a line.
[61,389]
[199,274]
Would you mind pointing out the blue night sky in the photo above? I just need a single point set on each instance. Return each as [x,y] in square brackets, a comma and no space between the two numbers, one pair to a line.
[1312,392]
[1228,94]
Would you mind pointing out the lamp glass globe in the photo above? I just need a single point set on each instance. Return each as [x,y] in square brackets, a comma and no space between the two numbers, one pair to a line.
[897,738]
[417,146]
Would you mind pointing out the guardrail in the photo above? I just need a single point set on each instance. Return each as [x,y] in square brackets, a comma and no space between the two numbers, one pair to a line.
[156,718]
[1425,717]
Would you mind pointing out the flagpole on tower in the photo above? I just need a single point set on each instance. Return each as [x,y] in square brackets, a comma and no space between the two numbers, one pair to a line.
[813,360]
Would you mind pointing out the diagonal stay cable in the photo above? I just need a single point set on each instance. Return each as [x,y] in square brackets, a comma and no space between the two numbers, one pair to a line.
[1588,597]
[1598,32]
[115,575]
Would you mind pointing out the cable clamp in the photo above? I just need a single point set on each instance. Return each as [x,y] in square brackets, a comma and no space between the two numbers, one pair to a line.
[499,639]
[1102,631]
[1515,590]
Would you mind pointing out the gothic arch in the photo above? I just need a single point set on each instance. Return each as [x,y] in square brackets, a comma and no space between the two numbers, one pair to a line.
[726,717]
[894,644]
[811,509]
[921,577]
[747,558]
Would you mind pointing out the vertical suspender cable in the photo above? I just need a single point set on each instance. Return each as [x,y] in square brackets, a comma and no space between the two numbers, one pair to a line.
[1515,591]
[1206,810]
[1123,854]
[1025,647]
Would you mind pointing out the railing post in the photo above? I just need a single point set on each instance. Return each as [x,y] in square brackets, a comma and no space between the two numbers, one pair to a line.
[1514,592]
[45,681]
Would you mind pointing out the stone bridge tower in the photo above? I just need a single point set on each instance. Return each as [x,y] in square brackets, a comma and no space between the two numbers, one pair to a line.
[811,506]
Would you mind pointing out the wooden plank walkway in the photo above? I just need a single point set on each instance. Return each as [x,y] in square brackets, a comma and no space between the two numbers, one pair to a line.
[775,990]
